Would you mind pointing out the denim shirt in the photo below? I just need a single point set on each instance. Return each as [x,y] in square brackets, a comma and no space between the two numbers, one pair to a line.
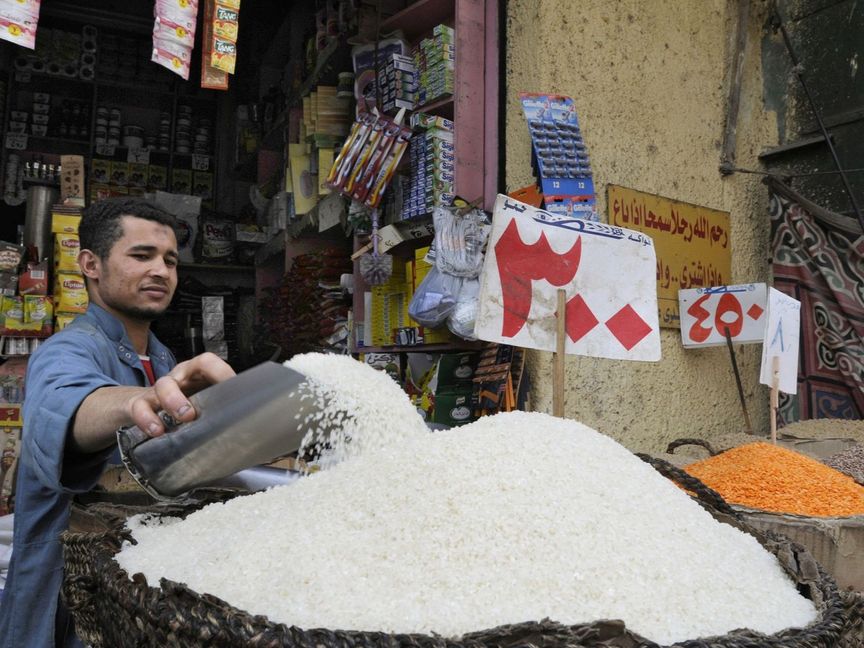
[92,352]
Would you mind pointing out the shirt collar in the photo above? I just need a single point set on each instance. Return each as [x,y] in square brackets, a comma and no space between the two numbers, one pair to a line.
[116,332]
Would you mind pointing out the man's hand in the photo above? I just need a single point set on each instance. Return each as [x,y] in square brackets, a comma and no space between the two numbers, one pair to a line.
[171,392]
[107,409]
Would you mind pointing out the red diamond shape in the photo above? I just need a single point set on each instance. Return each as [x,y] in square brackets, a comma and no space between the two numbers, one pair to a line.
[628,327]
[580,318]
[755,311]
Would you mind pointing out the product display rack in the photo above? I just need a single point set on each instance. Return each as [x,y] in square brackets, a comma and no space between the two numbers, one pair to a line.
[144,104]
[473,108]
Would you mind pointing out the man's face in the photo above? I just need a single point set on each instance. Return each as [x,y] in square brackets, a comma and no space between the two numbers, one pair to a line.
[138,278]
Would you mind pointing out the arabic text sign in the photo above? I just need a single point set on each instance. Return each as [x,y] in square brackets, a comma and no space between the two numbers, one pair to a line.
[706,313]
[693,244]
[782,332]
[607,273]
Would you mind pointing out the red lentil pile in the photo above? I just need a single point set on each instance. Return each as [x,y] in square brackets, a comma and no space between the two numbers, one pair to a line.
[771,478]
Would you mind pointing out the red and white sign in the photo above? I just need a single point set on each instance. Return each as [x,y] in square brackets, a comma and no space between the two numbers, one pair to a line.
[608,273]
[706,313]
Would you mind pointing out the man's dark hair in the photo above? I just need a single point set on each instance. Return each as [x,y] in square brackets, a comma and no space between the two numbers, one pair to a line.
[100,226]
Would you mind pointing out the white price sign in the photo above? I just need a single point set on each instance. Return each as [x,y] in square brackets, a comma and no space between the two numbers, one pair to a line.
[16,141]
[106,150]
[782,333]
[139,155]
[707,313]
[200,162]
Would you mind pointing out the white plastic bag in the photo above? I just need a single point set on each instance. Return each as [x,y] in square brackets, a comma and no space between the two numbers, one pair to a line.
[435,298]
[462,318]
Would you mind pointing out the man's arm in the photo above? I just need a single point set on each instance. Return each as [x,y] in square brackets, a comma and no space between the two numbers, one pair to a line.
[108,408]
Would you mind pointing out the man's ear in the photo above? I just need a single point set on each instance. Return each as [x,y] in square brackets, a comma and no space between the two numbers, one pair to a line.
[90,264]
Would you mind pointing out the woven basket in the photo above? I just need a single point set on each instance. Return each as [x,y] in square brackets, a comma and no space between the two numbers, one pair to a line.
[113,611]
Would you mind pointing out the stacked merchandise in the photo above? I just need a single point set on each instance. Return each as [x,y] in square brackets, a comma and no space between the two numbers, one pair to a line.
[435,60]
[122,59]
[26,310]
[41,117]
[497,379]
[19,19]
[389,322]
[11,396]
[308,311]
[120,178]
[432,156]
[397,80]
[327,114]
[70,293]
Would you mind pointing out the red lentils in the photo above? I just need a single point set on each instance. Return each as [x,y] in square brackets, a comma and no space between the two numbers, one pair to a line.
[772,478]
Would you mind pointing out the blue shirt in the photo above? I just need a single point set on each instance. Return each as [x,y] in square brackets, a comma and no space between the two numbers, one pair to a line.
[92,352]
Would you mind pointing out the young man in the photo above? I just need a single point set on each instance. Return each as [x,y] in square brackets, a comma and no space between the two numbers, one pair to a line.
[104,371]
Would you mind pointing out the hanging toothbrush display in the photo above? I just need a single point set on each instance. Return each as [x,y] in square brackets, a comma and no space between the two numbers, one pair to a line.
[365,166]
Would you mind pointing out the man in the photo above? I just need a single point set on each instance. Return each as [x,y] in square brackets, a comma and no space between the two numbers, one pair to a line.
[104,371]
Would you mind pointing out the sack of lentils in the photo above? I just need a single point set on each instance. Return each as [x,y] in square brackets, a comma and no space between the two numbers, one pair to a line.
[540,529]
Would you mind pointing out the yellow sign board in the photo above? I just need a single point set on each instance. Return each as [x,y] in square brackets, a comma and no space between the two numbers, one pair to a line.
[693,244]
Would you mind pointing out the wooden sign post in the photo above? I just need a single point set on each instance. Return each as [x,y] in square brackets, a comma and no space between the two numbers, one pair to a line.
[558,379]
[731,314]
[780,350]
[775,395]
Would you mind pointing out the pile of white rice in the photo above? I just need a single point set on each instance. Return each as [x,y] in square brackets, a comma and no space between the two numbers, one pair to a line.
[517,517]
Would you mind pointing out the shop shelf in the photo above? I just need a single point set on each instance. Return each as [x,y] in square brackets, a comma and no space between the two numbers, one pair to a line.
[418,18]
[217,267]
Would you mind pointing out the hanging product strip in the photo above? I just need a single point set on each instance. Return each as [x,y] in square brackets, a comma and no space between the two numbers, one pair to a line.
[368,159]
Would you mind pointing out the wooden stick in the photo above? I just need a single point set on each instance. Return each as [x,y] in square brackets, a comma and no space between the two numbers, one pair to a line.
[558,369]
[738,381]
[775,395]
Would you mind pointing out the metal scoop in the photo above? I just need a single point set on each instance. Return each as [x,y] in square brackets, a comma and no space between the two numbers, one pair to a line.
[250,419]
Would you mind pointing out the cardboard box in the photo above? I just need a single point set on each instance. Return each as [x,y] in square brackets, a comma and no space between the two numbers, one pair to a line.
[157,177]
[836,543]
[100,171]
[452,408]
[181,181]
[119,173]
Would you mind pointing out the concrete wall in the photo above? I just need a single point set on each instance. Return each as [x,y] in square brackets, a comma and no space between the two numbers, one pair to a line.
[650,81]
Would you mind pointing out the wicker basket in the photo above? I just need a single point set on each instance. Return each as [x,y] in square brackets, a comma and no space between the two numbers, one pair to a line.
[113,611]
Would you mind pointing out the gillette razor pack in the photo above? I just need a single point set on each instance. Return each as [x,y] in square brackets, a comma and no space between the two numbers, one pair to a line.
[559,157]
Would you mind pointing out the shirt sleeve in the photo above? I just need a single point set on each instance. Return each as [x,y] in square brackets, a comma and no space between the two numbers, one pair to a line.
[60,375]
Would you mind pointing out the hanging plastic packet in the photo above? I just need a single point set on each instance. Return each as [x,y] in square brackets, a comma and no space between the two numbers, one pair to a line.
[464,314]
[435,298]
[459,241]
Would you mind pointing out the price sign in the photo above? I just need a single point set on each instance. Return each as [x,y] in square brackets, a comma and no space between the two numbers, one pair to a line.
[782,333]
[16,141]
[200,162]
[706,313]
[105,150]
[139,155]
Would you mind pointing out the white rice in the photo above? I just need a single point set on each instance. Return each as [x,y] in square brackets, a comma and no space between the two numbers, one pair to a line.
[516,517]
